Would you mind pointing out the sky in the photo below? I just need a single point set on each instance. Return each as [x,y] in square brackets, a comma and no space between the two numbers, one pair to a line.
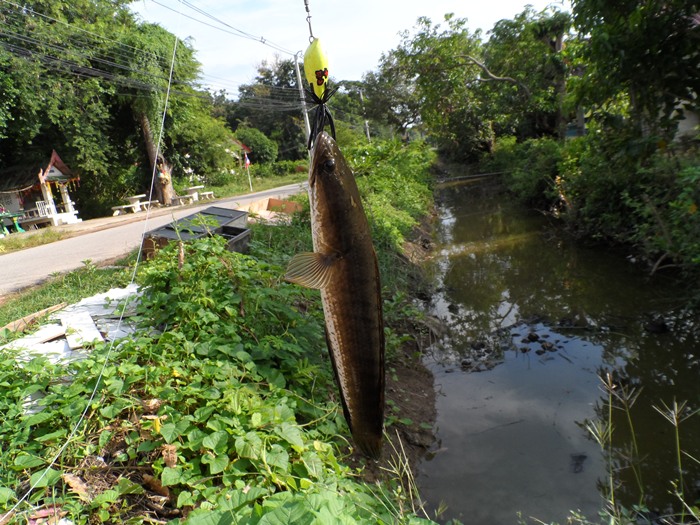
[354,33]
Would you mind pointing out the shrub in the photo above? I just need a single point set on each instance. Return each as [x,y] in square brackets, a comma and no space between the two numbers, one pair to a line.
[262,148]
[530,168]
[278,169]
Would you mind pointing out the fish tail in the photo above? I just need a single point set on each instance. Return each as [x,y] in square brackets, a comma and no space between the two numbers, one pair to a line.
[370,446]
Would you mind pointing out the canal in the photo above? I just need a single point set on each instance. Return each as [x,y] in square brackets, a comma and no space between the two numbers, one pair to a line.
[551,345]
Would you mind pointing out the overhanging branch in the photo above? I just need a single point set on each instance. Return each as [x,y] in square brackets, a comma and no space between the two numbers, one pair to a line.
[491,76]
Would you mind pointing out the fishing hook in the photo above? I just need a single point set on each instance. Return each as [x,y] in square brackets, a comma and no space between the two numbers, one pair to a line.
[322,114]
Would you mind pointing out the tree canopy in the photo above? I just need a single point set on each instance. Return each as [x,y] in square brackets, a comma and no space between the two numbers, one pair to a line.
[87,79]
[641,55]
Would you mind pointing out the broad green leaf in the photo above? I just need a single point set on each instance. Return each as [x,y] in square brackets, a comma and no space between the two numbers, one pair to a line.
[211,393]
[185,499]
[116,386]
[249,446]
[292,434]
[108,496]
[277,457]
[27,461]
[125,486]
[58,434]
[313,464]
[237,499]
[218,441]
[36,419]
[105,436]
[289,513]
[147,446]
[171,476]
[45,478]
[169,432]
[216,463]
[203,413]
[6,495]
[208,517]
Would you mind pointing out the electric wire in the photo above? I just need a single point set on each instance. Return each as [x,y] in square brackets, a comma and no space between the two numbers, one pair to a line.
[257,102]
[121,52]
[71,51]
[231,29]
[124,53]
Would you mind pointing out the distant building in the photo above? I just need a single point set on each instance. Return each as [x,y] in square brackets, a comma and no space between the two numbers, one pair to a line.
[40,193]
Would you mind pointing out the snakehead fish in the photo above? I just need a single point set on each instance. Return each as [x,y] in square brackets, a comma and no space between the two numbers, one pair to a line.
[344,268]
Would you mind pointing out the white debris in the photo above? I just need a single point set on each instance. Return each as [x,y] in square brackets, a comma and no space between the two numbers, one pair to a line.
[103,317]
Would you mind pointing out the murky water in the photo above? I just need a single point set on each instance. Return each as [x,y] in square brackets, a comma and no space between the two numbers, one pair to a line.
[534,323]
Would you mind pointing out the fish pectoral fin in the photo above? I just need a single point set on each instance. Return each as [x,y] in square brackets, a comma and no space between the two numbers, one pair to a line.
[312,270]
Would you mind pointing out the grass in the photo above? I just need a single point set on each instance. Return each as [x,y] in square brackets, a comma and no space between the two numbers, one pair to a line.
[602,430]
[241,187]
[30,239]
[70,288]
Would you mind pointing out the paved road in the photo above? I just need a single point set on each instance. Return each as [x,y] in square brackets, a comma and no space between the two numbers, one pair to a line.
[115,237]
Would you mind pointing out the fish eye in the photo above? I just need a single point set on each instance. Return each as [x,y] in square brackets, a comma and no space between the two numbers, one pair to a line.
[329,165]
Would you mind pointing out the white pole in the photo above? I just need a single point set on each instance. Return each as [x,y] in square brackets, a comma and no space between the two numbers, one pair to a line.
[307,124]
[250,182]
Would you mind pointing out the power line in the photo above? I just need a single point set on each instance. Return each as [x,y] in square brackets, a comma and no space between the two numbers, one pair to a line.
[231,29]
[88,72]
[258,103]
[121,52]
[71,51]
[26,11]
[81,62]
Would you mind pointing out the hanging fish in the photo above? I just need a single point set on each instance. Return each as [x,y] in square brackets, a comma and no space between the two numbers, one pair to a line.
[344,267]
[316,72]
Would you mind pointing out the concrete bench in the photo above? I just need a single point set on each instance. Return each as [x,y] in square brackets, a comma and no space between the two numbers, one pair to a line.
[182,199]
[149,204]
[206,195]
[123,209]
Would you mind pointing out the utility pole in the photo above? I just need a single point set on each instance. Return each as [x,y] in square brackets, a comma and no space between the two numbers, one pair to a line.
[302,95]
[364,114]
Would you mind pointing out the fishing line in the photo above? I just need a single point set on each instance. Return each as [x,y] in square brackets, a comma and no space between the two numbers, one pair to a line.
[5,517]
[308,20]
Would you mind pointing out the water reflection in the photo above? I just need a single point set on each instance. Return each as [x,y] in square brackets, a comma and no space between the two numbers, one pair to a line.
[539,320]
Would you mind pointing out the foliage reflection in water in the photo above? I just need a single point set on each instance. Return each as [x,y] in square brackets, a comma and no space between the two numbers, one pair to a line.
[534,322]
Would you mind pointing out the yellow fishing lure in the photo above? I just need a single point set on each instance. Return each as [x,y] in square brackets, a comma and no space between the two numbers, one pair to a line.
[316,67]
[316,72]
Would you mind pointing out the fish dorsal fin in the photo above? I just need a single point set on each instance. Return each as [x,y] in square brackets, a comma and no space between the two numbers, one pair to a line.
[312,270]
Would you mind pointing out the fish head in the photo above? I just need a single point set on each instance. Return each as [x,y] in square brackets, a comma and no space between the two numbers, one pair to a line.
[327,162]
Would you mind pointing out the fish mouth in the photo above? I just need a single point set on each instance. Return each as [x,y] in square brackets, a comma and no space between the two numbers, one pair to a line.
[322,151]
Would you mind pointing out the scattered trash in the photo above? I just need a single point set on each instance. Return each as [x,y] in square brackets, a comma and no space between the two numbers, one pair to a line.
[73,330]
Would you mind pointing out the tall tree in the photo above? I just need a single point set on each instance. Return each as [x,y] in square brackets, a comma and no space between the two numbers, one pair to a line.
[272,104]
[644,54]
[434,59]
[529,50]
[150,54]
[87,79]
[392,97]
